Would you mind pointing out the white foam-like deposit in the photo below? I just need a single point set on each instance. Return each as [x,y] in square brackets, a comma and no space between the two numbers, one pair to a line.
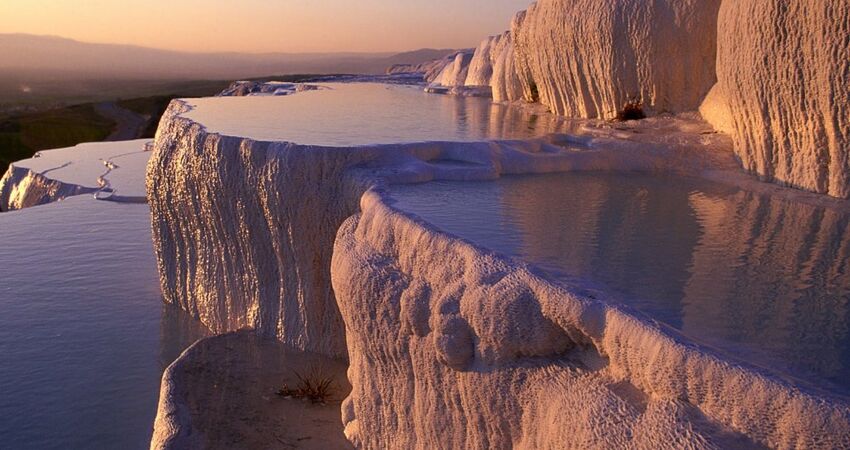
[114,170]
[244,231]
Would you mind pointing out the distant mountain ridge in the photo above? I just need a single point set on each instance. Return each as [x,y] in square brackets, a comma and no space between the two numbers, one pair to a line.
[34,55]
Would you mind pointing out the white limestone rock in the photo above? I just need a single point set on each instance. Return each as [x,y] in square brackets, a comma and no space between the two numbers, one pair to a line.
[493,65]
[488,72]
[264,88]
[22,188]
[244,233]
[113,170]
[465,349]
[783,85]
[244,229]
[505,82]
[456,71]
[481,65]
[588,58]
[715,110]
[430,70]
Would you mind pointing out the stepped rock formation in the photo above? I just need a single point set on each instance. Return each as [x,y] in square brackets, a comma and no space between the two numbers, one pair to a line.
[96,167]
[784,90]
[478,352]
[279,237]
[773,74]
[589,58]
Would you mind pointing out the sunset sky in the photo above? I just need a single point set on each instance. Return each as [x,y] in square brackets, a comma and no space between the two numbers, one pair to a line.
[265,25]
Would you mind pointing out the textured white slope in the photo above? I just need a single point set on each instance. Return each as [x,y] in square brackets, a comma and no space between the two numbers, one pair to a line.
[783,76]
[114,169]
[505,82]
[244,229]
[493,65]
[244,233]
[467,350]
[480,69]
[588,58]
[455,73]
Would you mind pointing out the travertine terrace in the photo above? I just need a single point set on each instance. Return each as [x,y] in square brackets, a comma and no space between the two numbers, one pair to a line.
[300,243]
[783,74]
[451,345]
[771,74]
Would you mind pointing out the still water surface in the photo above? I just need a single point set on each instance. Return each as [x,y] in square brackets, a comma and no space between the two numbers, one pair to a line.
[84,335]
[766,280]
[352,114]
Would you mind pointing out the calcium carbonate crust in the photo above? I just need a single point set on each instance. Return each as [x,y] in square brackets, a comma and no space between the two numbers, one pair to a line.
[252,234]
[783,69]
[489,71]
[772,74]
[22,188]
[586,58]
[89,168]
[468,349]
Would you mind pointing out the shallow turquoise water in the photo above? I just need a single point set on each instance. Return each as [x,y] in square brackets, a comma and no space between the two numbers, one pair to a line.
[764,280]
[84,334]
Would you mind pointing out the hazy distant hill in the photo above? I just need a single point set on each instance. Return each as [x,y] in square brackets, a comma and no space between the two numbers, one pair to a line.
[36,56]
[419,56]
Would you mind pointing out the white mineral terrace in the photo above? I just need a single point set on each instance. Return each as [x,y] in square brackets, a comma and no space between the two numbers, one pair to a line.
[266,217]
[347,114]
[274,224]
[112,170]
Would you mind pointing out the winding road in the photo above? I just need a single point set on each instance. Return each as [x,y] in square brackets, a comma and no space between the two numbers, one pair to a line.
[128,124]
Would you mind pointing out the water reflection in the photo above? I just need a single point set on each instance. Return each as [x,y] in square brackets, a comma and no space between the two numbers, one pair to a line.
[772,275]
[765,279]
[83,332]
[360,114]
[177,331]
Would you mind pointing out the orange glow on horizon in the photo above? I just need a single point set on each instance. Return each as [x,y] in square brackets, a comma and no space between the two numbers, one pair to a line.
[259,26]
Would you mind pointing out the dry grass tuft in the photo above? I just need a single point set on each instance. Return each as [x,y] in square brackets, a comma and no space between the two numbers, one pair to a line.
[315,385]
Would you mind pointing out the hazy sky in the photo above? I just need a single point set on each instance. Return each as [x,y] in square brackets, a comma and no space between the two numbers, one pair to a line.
[265,25]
